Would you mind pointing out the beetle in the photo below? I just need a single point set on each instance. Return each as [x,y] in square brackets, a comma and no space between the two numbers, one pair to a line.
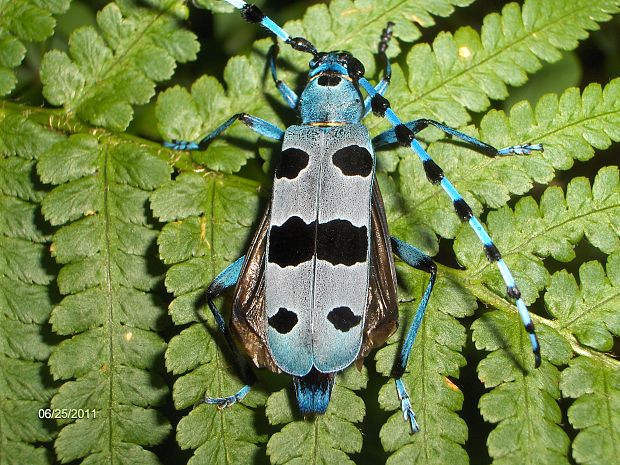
[316,290]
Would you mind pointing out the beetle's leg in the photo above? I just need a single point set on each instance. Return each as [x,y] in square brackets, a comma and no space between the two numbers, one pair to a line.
[260,126]
[223,281]
[406,137]
[287,93]
[381,88]
[389,137]
[419,260]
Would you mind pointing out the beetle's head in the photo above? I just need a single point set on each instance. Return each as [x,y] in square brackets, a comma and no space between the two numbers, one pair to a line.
[337,63]
[332,95]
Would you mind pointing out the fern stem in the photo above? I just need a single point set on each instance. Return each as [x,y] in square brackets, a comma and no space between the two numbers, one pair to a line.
[490,298]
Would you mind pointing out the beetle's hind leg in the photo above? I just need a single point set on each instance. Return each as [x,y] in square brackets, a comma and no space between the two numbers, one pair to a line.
[419,260]
[223,281]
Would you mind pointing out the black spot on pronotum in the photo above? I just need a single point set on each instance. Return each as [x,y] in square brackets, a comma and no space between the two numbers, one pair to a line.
[328,80]
[252,13]
[353,161]
[341,243]
[514,292]
[404,135]
[433,172]
[492,253]
[343,318]
[283,321]
[463,210]
[291,243]
[292,161]
[379,105]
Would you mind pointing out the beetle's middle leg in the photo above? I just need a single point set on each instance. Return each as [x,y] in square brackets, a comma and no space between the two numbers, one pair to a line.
[389,137]
[226,279]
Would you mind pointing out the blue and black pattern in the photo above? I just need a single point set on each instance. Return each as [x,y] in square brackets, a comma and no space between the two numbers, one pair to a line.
[310,278]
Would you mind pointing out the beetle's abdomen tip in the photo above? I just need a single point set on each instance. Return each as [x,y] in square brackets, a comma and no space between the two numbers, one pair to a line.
[313,391]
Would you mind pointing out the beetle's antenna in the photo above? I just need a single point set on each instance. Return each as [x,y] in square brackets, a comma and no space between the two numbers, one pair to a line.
[253,14]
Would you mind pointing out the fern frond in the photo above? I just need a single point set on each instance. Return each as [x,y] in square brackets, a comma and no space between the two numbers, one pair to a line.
[523,400]
[589,311]
[110,360]
[209,218]
[25,294]
[107,72]
[533,232]
[327,438]
[217,6]
[22,22]
[100,191]
[531,429]
[596,410]
[356,25]
[458,72]
[186,116]
[462,71]
[570,126]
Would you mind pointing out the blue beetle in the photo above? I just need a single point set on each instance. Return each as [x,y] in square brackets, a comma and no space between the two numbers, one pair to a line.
[316,291]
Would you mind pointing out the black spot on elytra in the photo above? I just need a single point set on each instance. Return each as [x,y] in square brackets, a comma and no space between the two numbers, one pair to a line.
[353,161]
[341,243]
[343,318]
[292,161]
[292,243]
[283,321]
